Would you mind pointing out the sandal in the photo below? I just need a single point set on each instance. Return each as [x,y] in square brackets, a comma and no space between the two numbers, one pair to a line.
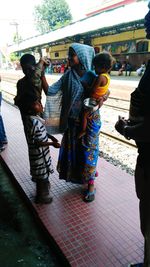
[96,174]
[90,196]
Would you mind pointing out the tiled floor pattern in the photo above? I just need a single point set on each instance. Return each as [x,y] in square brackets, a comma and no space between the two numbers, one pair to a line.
[104,233]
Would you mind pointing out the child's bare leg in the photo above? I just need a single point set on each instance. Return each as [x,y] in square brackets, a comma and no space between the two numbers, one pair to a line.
[84,125]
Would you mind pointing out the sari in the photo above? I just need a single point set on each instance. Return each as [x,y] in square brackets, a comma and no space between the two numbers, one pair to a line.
[77,158]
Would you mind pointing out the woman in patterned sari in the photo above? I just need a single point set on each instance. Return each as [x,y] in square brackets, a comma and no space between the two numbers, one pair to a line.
[78,157]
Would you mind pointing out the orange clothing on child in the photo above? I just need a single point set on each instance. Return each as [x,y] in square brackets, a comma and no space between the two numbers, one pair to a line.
[102,90]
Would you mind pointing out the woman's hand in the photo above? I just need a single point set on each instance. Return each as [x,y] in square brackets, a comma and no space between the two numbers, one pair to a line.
[44,61]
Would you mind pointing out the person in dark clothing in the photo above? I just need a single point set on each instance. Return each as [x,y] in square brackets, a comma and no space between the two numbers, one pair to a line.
[128,69]
[31,82]
[28,100]
[138,129]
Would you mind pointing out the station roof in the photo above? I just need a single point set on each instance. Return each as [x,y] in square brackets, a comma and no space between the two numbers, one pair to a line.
[124,15]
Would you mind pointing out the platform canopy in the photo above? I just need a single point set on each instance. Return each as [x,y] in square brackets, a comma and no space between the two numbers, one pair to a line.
[109,22]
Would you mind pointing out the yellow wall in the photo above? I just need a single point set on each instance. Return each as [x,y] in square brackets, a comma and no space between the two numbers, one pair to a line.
[99,41]
[61,49]
[125,36]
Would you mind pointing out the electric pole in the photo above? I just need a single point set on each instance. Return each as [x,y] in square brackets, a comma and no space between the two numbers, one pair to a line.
[16,24]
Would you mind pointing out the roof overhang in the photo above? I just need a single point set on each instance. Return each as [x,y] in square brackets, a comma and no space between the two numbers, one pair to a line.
[125,18]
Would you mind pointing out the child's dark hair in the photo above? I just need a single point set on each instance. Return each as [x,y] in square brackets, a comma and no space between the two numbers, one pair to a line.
[27,59]
[104,60]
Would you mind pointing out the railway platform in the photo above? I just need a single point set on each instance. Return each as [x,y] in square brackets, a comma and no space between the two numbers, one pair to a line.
[104,233]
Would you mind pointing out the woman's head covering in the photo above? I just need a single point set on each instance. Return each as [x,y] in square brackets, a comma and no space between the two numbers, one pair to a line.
[71,87]
[85,54]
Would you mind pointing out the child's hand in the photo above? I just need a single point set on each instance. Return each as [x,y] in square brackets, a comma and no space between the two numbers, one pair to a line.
[53,138]
[100,101]
[105,97]
[56,145]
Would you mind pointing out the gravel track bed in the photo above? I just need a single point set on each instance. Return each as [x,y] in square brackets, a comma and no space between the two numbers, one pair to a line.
[120,155]
[117,153]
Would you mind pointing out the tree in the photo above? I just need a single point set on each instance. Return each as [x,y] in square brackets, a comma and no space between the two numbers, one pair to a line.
[14,57]
[51,15]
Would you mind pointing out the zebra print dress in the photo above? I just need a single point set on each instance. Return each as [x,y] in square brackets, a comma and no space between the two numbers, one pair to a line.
[39,157]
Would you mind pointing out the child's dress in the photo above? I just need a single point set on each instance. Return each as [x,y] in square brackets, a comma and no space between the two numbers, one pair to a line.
[39,157]
[102,90]
[89,78]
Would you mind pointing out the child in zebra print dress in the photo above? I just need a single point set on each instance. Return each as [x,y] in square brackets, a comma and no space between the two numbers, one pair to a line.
[38,148]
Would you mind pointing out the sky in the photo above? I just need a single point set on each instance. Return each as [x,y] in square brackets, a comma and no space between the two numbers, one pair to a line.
[21,12]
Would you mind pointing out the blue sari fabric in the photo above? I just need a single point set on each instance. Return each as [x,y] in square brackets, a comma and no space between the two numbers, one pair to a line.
[70,159]
[90,147]
[78,157]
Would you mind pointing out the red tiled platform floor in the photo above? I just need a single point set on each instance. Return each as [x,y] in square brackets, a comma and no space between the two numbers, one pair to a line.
[104,233]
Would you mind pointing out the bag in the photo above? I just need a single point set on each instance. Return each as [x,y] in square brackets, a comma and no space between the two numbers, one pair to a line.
[52,112]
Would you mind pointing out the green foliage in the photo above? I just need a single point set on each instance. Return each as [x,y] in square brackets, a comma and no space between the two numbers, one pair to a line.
[51,15]
[14,57]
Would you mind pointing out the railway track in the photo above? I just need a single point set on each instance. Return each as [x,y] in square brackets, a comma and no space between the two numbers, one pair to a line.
[120,140]
[122,107]
[115,107]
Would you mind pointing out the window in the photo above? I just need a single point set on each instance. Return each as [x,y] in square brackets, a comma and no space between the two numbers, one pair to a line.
[56,54]
[142,46]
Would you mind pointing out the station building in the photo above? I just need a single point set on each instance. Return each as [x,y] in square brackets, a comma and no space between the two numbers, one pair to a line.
[116,26]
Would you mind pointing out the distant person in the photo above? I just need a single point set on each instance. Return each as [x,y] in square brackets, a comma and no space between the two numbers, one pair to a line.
[38,147]
[102,63]
[62,68]
[138,129]
[128,69]
[117,65]
[122,69]
[3,137]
